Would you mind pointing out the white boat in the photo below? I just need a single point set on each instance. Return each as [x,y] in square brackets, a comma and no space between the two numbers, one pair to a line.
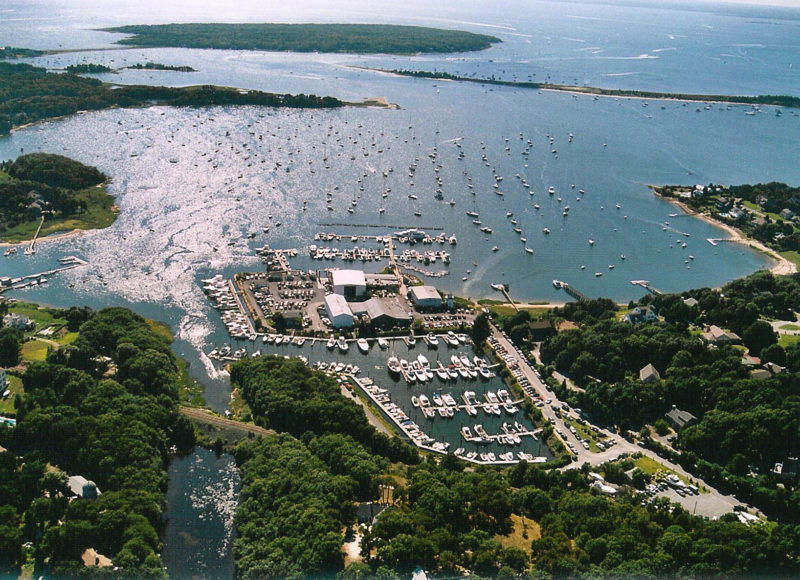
[415,401]
[530,251]
[411,341]
[432,340]
[449,400]
[442,374]
[383,343]
[423,362]
[423,401]
[278,339]
[363,345]
[393,365]
[331,344]
[341,344]
[437,399]
[466,432]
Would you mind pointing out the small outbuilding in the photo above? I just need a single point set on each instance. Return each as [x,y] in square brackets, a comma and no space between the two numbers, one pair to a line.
[82,488]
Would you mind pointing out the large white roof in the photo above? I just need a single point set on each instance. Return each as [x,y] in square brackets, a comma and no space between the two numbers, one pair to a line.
[337,305]
[425,293]
[349,278]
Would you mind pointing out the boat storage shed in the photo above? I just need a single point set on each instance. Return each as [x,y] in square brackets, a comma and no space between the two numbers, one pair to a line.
[425,297]
[338,311]
[349,283]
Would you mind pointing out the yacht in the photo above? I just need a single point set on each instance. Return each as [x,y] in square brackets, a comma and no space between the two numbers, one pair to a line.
[432,340]
[341,344]
[363,345]
[331,344]
[383,343]
[393,365]
[415,401]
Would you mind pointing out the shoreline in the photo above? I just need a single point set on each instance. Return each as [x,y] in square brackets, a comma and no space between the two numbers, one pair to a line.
[51,237]
[783,267]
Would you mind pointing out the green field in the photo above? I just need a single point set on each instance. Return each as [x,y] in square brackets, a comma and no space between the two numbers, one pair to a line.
[100,213]
[792,256]
[652,467]
[7,404]
[35,350]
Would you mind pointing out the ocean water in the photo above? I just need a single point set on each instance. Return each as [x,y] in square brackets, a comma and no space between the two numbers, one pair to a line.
[192,183]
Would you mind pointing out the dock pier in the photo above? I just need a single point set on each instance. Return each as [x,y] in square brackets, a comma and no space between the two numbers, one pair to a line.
[68,263]
[646,285]
[574,292]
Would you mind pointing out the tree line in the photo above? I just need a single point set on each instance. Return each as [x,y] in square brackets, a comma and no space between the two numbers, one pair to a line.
[105,408]
[29,94]
[351,38]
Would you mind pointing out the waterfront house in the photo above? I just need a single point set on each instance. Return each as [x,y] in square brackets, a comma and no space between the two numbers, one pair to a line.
[641,314]
[18,321]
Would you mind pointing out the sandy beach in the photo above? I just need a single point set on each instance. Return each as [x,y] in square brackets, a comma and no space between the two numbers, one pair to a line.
[50,238]
[781,268]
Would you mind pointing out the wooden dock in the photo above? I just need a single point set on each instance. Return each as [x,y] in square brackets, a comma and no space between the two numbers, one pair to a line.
[574,292]
[646,285]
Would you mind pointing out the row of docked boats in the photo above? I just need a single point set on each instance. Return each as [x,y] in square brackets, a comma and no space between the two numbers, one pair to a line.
[492,458]
[419,370]
[336,367]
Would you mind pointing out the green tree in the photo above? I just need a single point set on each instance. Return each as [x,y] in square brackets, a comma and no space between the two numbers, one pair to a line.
[480,329]
[10,340]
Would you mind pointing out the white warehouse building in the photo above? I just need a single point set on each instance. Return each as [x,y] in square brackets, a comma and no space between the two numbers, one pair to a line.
[349,283]
[338,311]
[425,297]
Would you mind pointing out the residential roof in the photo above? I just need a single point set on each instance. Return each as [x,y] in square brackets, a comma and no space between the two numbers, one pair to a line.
[690,302]
[680,418]
[337,305]
[648,373]
[348,278]
[420,293]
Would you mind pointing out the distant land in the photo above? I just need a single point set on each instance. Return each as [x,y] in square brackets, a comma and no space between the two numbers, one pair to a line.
[350,38]
[29,94]
[7,52]
[776,100]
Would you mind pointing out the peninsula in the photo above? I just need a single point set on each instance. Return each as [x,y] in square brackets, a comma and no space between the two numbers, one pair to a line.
[776,100]
[46,193]
[350,38]
[30,94]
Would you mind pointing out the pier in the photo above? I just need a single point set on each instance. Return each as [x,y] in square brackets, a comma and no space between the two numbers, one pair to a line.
[646,285]
[384,226]
[501,288]
[574,292]
[68,263]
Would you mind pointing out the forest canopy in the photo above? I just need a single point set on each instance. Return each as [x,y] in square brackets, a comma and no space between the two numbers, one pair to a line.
[351,38]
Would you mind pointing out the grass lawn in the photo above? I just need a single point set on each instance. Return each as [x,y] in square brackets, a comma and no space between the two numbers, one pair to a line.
[787,340]
[790,327]
[43,317]
[516,539]
[101,213]
[7,405]
[505,310]
[792,256]
[68,338]
[651,467]
[35,350]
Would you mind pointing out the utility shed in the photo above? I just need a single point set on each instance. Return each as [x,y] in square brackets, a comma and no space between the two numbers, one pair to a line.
[338,311]
[649,374]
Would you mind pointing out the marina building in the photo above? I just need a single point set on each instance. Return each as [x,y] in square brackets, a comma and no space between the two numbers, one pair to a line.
[338,311]
[425,297]
[382,313]
[349,283]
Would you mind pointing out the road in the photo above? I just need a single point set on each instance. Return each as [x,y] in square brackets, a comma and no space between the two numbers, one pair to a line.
[709,504]
[210,418]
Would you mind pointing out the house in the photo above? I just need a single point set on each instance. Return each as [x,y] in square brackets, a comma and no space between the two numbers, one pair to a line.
[691,302]
[351,284]
[425,297]
[760,374]
[715,335]
[774,368]
[641,314]
[786,213]
[649,374]
[737,213]
[82,488]
[338,311]
[541,329]
[679,419]
[367,512]
[19,321]
[723,204]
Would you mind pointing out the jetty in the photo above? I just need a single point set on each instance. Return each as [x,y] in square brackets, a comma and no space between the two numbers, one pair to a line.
[647,286]
[502,289]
